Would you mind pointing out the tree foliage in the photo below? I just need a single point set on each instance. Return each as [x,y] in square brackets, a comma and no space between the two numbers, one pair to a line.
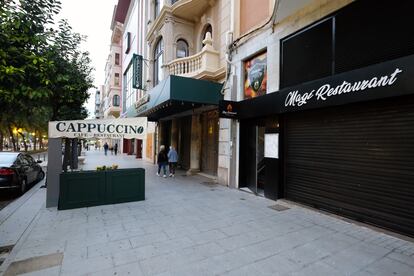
[43,73]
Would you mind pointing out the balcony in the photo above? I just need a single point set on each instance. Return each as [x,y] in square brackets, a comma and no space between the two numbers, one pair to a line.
[203,65]
[112,111]
[190,9]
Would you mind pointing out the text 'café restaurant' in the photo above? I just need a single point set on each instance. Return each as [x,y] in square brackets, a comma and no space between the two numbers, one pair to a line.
[343,142]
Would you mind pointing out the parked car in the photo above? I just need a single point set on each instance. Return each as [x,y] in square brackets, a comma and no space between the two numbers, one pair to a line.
[18,171]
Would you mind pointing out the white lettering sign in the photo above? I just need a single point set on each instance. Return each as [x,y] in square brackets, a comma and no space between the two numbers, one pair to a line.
[102,128]
[294,98]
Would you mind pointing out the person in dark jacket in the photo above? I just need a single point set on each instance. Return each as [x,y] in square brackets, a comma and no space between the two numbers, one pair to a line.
[106,147]
[116,148]
[162,161]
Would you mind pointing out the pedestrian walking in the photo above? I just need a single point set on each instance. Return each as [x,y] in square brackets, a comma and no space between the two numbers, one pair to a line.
[116,148]
[106,147]
[112,150]
[162,160]
[172,160]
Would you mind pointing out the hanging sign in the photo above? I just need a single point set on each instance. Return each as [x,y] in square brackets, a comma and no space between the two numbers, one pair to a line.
[137,71]
[102,128]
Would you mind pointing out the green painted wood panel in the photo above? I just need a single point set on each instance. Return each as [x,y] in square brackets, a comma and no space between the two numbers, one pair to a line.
[94,188]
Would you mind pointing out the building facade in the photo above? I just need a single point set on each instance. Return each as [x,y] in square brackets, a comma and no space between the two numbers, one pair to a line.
[320,104]
[97,104]
[132,14]
[184,75]
[113,71]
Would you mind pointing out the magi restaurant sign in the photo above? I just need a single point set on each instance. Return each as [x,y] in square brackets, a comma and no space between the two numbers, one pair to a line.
[384,80]
[325,91]
[106,128]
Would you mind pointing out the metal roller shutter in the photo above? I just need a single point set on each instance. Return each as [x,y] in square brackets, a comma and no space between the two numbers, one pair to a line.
[356,160]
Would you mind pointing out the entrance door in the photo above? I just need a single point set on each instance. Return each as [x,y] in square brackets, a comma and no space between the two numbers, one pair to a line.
[139,148]
[131,147]
[259,170]
[248,156]
[209,157]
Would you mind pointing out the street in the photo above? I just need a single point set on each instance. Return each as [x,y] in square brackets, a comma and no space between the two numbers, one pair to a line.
[7,196]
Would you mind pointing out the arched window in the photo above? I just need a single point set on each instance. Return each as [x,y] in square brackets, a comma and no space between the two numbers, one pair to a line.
[116,100]
[156,8]
[207,29]
[182,48]
[158,60]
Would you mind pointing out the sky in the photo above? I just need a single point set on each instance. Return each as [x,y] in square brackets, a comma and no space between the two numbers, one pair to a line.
[93,19]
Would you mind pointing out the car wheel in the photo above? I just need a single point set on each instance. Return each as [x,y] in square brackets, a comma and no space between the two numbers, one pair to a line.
[23,186]
[41,175]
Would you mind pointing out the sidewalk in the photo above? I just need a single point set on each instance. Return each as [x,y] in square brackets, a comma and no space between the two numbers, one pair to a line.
[189,226]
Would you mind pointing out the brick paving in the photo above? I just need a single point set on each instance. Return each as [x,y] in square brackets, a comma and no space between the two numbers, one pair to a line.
[185,227]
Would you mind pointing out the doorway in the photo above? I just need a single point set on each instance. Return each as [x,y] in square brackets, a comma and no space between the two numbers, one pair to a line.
[139,149]
[259,165]
[209,149]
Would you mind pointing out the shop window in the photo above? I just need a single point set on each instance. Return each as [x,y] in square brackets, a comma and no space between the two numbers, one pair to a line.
[307,55]
[182,48]
[116,58]
[158,61]
[351,38]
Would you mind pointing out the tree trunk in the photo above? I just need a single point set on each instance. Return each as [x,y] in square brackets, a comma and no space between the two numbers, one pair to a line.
[12,137]
[24,141]
[34,142]
[1,140]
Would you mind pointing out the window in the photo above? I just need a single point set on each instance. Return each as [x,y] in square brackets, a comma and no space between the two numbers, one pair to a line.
[173,2]
[182,48]
[129,93]
[158,60]
[208,29]
[307,55]
[116,79]
[156,8]
[116,58]
[353,37]
[127,42]
[115,100]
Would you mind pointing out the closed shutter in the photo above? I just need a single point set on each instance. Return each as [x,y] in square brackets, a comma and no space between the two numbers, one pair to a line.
[356,160]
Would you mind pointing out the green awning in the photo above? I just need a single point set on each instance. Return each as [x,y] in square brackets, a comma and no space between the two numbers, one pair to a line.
[176,95]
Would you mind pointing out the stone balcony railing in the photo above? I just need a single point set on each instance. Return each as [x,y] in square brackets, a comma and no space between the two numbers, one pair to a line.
[205,64]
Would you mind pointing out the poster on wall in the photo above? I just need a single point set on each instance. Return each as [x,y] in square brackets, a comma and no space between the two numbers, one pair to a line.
[272,145]
[255,76]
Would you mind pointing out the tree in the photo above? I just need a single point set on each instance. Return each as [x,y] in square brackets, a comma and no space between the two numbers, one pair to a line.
[43,73]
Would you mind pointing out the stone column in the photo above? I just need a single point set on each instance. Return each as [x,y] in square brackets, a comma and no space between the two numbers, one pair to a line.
[174,133]
[195,148]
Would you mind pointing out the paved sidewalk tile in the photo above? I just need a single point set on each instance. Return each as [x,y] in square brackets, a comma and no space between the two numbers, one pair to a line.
[187,228]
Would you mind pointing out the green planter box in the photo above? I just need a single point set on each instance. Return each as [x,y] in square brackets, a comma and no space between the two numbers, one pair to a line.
[94,188]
